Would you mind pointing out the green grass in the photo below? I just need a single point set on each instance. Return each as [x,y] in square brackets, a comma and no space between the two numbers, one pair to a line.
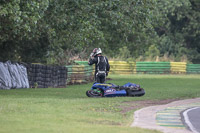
[69,110]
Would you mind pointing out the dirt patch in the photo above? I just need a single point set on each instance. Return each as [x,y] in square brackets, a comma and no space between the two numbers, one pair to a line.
[134,105]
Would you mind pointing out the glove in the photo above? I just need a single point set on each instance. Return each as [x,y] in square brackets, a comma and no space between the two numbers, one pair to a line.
[107,73]
[91,55]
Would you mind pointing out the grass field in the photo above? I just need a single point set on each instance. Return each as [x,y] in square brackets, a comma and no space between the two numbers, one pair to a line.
[69,110]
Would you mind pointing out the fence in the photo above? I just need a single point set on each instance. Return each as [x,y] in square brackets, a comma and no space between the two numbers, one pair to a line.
[193,68]
[81,73]
[178,67]
[153,67]
[42,76]
[123,67]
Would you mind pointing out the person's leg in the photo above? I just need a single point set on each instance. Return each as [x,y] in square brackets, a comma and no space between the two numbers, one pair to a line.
[103,79]
[98,80]
[95,79]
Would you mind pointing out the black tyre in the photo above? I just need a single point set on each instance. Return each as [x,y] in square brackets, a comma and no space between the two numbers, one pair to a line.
[91,93]
[48,71]
[137,93]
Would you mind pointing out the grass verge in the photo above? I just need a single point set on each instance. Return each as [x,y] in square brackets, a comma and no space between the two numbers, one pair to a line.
[70,110]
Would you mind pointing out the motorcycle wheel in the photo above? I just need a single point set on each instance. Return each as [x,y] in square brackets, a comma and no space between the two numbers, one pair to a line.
[137,93]
[91,93]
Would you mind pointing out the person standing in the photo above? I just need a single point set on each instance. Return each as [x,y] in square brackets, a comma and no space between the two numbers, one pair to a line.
[102,66]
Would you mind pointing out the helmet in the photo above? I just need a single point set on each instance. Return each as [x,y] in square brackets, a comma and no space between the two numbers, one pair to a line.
[97,51]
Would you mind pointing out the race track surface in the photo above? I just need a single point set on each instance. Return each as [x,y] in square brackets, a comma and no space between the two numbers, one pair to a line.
[192,119]
[166,118]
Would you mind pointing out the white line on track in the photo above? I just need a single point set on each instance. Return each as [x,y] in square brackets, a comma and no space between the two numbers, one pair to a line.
[187,121]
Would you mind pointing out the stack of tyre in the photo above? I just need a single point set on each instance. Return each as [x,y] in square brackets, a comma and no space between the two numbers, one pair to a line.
[42,76]
[59,76]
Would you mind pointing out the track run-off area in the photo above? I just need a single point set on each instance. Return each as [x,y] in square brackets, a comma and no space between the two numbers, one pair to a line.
[175,117]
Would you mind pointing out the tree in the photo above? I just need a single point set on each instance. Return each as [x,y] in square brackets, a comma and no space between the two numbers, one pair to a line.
[53,31]
[181,29]
[19,24]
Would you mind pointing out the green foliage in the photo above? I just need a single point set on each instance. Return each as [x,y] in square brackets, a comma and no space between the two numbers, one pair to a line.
[47,31]
[153,52]
[20,28]
[181,30]
[124,53]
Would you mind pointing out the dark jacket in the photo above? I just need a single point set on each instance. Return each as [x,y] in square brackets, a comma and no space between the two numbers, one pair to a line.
[95,61]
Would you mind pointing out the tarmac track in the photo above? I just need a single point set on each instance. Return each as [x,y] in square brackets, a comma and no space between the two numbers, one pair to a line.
[192,119]
[166,118]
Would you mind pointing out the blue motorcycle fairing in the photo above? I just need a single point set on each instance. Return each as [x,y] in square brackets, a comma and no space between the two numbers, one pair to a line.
[110,91]
[113,92]
[131,84]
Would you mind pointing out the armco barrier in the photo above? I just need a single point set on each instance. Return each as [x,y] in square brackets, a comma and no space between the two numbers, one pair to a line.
[178,67]
[82,62]
[79,74]
[193,68]
[122,67]
[153,67]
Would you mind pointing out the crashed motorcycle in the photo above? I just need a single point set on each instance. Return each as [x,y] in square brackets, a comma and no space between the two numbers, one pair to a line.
[112,90]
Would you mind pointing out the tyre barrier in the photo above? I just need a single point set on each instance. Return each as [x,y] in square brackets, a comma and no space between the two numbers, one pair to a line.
[153,67]
[13,75]
[123,67]
[42,76]
[178,67]
[78,74]
[193,69]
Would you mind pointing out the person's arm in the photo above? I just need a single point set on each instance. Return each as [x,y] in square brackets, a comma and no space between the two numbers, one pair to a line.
[92,60]
[107,66]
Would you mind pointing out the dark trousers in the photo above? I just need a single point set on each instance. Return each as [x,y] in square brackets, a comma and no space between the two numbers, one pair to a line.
[100,78]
